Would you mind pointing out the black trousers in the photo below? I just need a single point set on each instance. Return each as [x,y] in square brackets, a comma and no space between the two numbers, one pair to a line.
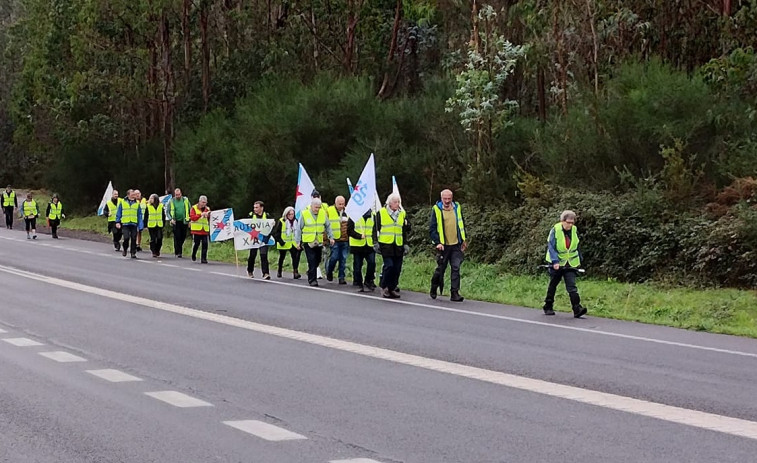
[569,275]
[8,210]
[390,272]
[200,240]
[130,238]
[31,224]
[263,260]
[156,239]
[358,257]
[313,256]
[54,224]
[295,254]
[117,234]
[179,237]
[452,256]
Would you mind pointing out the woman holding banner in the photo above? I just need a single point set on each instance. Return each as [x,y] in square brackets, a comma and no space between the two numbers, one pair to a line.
[283,233]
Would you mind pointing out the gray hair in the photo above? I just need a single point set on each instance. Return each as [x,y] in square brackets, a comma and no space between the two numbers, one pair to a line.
[316,202]
[567,215]
[203,198]
[392,197]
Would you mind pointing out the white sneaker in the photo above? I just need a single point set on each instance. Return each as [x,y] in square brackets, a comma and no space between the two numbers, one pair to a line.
[318,273]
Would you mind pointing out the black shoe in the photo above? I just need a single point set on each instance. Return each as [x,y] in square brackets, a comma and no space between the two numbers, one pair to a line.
[548,311]
[342,282]
[313,284]
[579,312]
[361,288]
[139,248]
[394,294]
[386,293]
[434,288]
[456,297]
[204,261]
[178,256]
[278,274]
[330,276]
[123,253]
[194,258]
[296,276]
[397,290]
[266,277]
[55,237]
[133,256]
[370,286]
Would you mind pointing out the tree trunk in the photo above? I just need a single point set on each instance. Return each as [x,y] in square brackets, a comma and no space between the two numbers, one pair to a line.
[186,35]
[205,56]
[595,42]
[167,101]
[349,49]
[384,91]
[475,37]
[541,84]
[563,71]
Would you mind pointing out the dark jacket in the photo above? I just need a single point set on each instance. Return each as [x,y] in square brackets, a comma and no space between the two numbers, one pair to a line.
[391,250]
[353,234]
[433,226]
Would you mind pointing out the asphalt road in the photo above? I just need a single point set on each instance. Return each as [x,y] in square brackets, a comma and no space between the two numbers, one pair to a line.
[325,375]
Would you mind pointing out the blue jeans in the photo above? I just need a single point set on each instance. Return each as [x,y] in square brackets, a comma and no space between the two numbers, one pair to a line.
[339,251]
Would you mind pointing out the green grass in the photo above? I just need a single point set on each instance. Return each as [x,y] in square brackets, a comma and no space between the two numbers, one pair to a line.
[727,311]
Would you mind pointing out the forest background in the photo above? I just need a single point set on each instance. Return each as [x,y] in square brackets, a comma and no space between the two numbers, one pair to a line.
[638,114]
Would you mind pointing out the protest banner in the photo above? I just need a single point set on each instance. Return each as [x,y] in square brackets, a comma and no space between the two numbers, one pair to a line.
[253,233]
[221,225]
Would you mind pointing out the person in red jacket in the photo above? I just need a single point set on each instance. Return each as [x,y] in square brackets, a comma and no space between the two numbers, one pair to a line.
[199,226]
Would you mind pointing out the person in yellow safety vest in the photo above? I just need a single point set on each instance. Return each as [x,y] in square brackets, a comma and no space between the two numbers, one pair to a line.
[283,233]
[142,205]
[10,203]
[111,208]
[178,213]
[447,231]
[309,233]
[390,232]
[54,213]
[258,212]
[565,258]
[324,207]
[340,250]
[29,212]
[129,220]
[361,247]
[199,227]
[155,219]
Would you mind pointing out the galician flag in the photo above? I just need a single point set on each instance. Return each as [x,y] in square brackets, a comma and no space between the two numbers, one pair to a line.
[106,197]
[363,193]
[221,225]
[305,188]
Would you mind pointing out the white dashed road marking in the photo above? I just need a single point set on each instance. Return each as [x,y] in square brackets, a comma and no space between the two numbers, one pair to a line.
[694,418]
[114,376]
[2,331]
[178,399]
[62,357]
[264,430]
[23,342]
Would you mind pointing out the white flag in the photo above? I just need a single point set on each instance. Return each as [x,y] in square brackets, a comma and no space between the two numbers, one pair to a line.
[364,192]
[253,233]
[395,190]
[108,194]
[221,225]
[305,189]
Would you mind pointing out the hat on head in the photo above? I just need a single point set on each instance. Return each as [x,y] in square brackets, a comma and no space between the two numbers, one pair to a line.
[315,194]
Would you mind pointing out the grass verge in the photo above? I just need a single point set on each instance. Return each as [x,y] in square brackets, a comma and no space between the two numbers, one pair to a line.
[726,311]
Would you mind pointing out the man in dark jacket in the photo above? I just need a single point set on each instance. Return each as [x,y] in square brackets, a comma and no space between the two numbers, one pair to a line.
[447,231]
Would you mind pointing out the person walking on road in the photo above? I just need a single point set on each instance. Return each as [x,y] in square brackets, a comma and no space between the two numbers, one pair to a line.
[390,233]
[309,233]
[54,214]
[258,212]
[143,205]
[29,213]
[447,230]
[129,221]
[199,226]
[361,247]
[111,209]
[10,203]
[283,233]
[178,212]
[341,247]
[565,259]
[154,218]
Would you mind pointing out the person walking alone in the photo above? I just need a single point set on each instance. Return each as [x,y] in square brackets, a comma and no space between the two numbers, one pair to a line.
[447,230]
[10,203]
[309,233]
[565,259]
[154,218]
[390,233]
[129,221]
[54,214]
[111,209]
[178,212]
[199,226]
[283,233]
[258,212]
[29,212]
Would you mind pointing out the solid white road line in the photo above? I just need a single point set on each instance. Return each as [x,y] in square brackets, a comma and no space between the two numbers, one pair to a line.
[178,399]
[460,311]
[355,460]
[2,331]
[23,342]
[114,376]
[703,420]
[264,430]
[62,357]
